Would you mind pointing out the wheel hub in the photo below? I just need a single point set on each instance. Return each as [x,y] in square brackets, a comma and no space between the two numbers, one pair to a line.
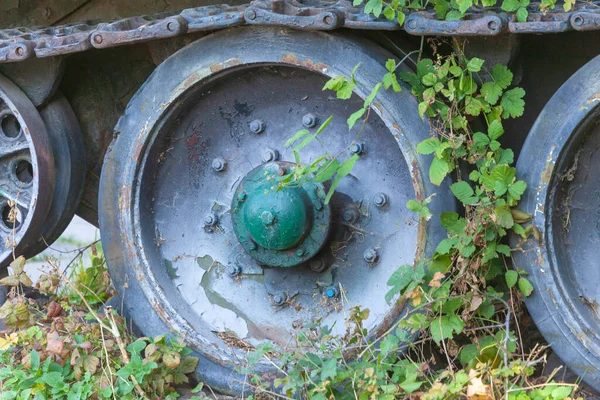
[279,227]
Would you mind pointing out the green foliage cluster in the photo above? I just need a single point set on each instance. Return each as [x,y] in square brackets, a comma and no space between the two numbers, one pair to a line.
[61,349]
[463,298]
[454,10]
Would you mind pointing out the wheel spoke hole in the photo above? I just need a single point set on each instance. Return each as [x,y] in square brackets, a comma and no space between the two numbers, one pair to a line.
[11,217]
[10,127]
[24,171]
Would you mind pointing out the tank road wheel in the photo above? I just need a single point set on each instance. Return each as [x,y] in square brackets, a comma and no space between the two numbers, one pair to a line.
[197,239]
[26,172]
[66,140]
[560,162]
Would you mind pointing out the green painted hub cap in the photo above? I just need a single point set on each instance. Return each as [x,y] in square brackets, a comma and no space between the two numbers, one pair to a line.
[279,228]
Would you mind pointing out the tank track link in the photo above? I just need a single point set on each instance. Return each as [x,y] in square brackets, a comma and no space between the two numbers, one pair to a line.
[18,44]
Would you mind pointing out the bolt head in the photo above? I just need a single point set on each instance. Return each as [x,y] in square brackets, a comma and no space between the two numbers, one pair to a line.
[233,270]
[332,292]
[257,126]
[267,218]
[242,197]
[317,265]
[357,148]
[250,14]
[309,120]
[270,155]
[98,39]
[251,245]
[370,255]
[380,199]
[300,252]
[219,164]
[211,219]
[318,205]
[350,215]
[279,298]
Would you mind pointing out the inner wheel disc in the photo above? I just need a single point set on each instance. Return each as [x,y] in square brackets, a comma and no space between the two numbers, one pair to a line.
[194,225]
[26,172]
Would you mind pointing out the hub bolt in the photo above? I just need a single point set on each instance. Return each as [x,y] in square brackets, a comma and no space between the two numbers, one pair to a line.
[267,218]
[269,155]
[279,298]
[357,148]
[380,199]
[211,219]
[318,205]
[351,215]
[318,264]
[309,120]
[300,252]
[250,14]
[370,255]
[234,270]
[242,197]
[219,164]
[251,244]
[257,126]
[332,292]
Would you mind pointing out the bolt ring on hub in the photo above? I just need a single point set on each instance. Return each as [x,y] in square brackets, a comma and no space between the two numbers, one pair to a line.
[201,104]
[27,172]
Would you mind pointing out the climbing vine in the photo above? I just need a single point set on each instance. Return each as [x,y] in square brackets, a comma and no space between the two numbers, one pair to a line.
[465,297]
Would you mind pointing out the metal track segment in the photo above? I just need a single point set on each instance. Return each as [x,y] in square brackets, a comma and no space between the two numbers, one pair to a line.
[19,44]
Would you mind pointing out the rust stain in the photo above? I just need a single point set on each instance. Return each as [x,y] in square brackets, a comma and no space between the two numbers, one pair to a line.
[552,298]
[291,58]
[232,62]
[137,151]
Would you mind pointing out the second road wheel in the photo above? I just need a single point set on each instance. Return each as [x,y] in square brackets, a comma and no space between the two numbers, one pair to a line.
[198,240]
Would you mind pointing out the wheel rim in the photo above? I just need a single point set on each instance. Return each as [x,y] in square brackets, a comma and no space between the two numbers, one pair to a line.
[27,164]
[558,166]
[198,289]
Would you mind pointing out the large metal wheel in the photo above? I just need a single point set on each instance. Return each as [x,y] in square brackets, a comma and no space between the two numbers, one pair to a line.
[197,240]
[561,164]
[26,172]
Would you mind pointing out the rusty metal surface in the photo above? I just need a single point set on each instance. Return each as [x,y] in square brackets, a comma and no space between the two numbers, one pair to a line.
[19,44]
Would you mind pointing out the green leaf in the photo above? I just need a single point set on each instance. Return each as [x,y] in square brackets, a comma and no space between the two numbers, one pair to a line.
[512,103]
[330,167]
[472,106]
[34,359]
[504,216]
[495,129]
[370,6]
[561,392]
[329,369]
[525,287]
[390,80]
[445,327]
[475,64]
[522,14]
[441,8]
[297,136]
[463,6]
[491,92]
[468,354]
[428,146]
[423,106]
[464,192]
[511,278]
[352,119]
[429,79]
[438,171]
[347,165]
[390,65]
[517,189]
[372,95]
[502,76]
[452,223]
[399,281]
[454,16]
[510,5]
[446,245]
[401,18]
[324,125]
